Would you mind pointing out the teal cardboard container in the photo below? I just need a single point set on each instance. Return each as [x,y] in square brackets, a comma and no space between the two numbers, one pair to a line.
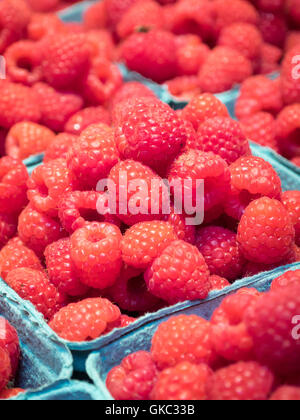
[139,335]
[45,359]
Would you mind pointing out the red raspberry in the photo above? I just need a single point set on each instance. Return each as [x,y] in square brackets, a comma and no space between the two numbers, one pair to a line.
[85,320]
[183,338]
[43,6]
[16,255]
[183,231]
[44,24]
[196,165]
[61,270]
[251,178]
[93,155]
[244,38]
[286,393]
[293,10]
[95,16]
[202,108]
[145,241]
[56,107]
[147,15]
[266,233]
[222,136]
[5,368]
[88,116]
[270,323]
[292,40]
[287,130]
[66,60]
[96,253]
[9,341]
[273,28]
[130,292]
[152,54]
[102,44]
[48,182]
[241,382]
[34,286]
[270,59]
[286,279]
[13,178]
[270,5]
[37,230]
[184,87]
[126,92]
[224,68]
[24,52]
[218,283]
[179,273]
[6,394]
[291,201]
[27,138]
[102,82]
[221,252]
[227,12]
[8,227]
[141,195]
[122,322]
[17,103]
[230,337]
[14,17]
[134,378]
[182,382]
[59,147]
[150,132]
[191,54]
[260,128]
[116,9]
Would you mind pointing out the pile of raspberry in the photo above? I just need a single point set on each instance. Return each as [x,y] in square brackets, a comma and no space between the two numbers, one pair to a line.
[9,360]
[248,351]
[199,46]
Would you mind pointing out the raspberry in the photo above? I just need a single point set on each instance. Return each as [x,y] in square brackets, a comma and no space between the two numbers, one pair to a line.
[130,292]
[134,378]
[17,103]
[27,138]
[48,182]
[145,241]
[222,136]
[191,54]
[260,128]
[140,195]
[244,38]
[14,17]
[221,252]
[23,61]
[16,255]
[116,9]
[218,283]
[293,11]
[183,231]
[88,116]
[292,40]
[286,279]
[230,337]
[5,368]
[202,108]
[96,253]
[182,382]
[184,87]
[273,28]
[287,130]
[59,147]
[42,25]
[152,54]
[56,107]
[146,15]
[291,201]
[93,155]
[43,6]
[227,12]
[266,233]
[269,322]
[178,274]
[85,320]
[270,5]
[196,165]
[34,286]
[224,68]
[286,393]
[96,16]
[270,59]
[251,178]
[241,382]
[9,341]
[8,227]
[6,394]
[13,178]
[37,230]
[102,44]
[150,132]
[66,60]
[61,270]
[183,338]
